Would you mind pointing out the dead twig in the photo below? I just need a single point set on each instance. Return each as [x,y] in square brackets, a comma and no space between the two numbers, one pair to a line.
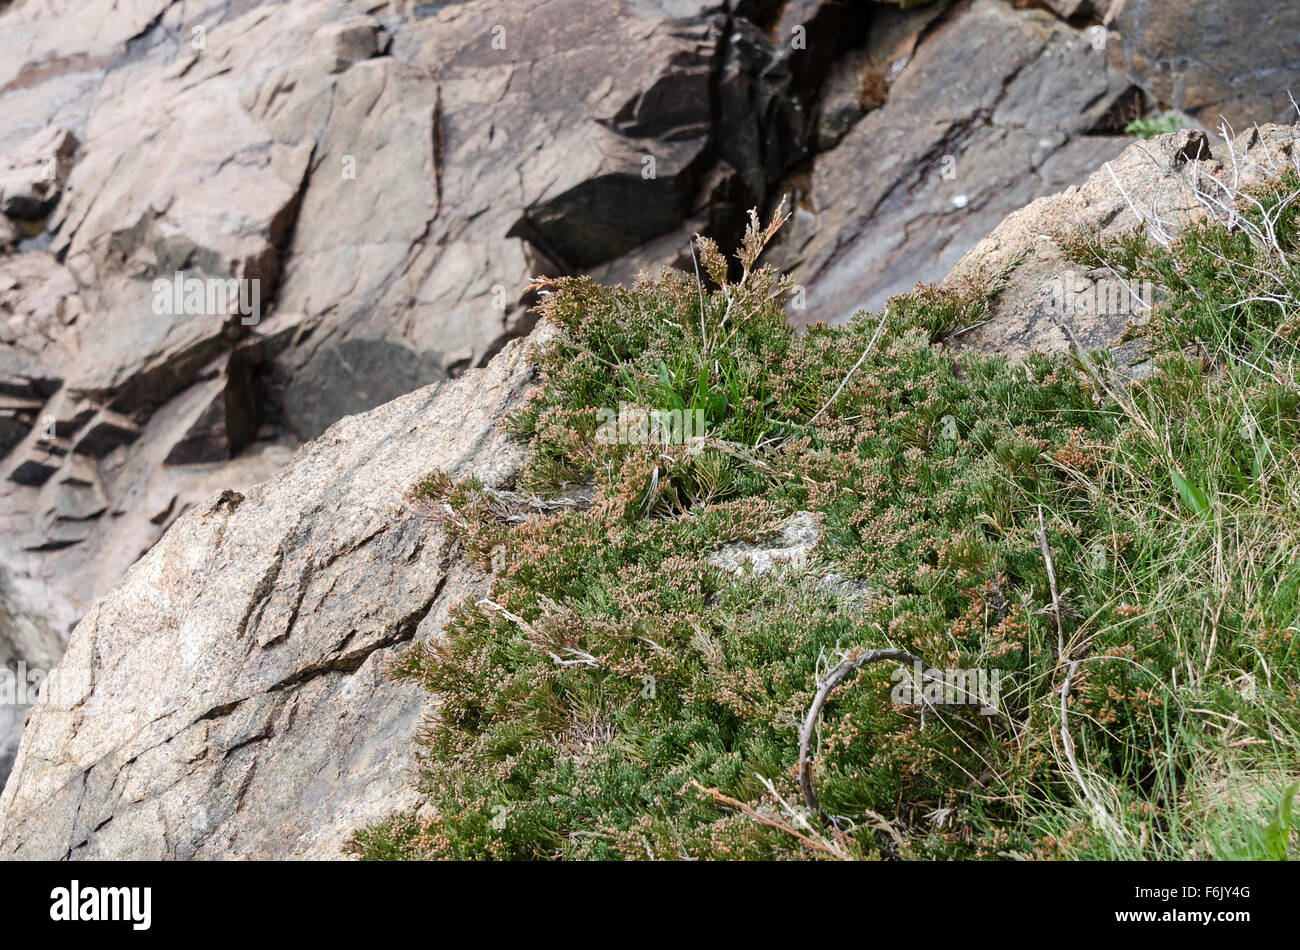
[817,844]
[1154,224]
[1100,814]
[1041,535]
[853,661]
[578,657]
[875,337]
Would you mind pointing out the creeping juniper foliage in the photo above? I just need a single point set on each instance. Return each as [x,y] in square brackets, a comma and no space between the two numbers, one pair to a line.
[618,696]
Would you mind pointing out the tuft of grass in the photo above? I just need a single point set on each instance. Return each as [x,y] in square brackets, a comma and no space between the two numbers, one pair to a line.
[617,695]
[1150,127]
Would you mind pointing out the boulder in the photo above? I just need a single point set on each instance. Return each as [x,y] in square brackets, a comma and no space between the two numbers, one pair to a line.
[229,697]
[1153,182]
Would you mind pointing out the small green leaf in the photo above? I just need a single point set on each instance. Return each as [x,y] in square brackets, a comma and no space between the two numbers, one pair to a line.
[1257,465]
[1284,806]
[1192,496]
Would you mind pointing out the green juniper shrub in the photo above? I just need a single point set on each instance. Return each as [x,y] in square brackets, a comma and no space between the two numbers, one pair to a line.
[617,695]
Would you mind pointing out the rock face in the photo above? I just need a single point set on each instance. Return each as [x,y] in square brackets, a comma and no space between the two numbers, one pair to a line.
[1232,59]
[229,698]
[949,151]
[28,651]
[390,175]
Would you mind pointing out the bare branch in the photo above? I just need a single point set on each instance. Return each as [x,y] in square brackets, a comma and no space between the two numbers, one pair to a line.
[853,661]
[1161,235]
[818,845]
[875,337]
[1099,810]
[1041,535]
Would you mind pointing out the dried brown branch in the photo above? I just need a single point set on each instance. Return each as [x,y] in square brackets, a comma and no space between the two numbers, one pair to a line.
[1041,535]
[1101,815]
[817,845]
[853,661]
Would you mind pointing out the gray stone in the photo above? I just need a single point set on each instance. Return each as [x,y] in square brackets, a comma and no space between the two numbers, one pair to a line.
[789,551]
[1229,59]
[921,179]
[230,697]
[1159,177]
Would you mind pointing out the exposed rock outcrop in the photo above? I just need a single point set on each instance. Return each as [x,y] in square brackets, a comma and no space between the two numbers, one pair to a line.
[28,651]
[1215,59]
[952,150]
[1153,182]
[392,176]
[229,698]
